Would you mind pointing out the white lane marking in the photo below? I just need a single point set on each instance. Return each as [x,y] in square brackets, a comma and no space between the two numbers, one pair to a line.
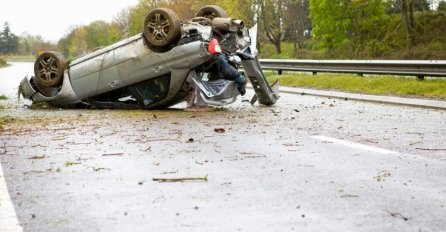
[354,145]
[8,217]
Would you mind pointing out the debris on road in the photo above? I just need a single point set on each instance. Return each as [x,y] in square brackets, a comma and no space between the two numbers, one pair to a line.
[113,154]
[397,215]
[430,149]
[96,169]
[219,130]
[181,179]
[382,175]
[58,138]
[37,157]
[69,163]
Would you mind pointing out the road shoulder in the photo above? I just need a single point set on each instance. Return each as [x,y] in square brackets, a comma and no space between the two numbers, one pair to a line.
[414,102]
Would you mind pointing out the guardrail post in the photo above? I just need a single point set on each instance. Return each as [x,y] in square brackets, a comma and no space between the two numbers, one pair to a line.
[420,77]
[280,71]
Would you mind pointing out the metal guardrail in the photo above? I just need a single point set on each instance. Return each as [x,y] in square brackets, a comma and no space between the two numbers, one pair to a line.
[418,68]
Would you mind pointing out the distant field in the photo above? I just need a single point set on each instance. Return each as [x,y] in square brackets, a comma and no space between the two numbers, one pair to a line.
[377,85]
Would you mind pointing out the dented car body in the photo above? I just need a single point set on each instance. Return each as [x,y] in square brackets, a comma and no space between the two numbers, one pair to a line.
[149,70]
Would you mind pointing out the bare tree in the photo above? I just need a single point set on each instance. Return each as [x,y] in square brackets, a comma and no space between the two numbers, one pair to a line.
[122,19]
[298,21]
[273,13]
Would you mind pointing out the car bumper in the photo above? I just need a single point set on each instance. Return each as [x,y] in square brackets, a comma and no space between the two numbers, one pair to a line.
[62,97]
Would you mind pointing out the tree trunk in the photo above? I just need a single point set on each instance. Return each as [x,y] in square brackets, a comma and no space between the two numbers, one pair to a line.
[411,14]
[407,16]
[278,47]
[295,46]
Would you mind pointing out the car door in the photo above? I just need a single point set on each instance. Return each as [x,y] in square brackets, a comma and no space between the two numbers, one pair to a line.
[136,63]
[109,78]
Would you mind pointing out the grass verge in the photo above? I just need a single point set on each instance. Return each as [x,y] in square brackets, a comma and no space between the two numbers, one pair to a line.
[377,85]
[5,119]
[3,97]
[19,58]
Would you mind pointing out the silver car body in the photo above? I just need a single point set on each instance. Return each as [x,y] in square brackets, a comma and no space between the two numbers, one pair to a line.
[130,62]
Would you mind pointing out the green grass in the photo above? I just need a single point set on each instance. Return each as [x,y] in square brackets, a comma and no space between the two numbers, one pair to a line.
[5,119]
[3,63]
[3,97]
[19,58]
[268,51]
[377,85]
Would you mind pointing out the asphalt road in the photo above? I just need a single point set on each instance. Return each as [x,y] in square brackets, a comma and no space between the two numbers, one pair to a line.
[306,164]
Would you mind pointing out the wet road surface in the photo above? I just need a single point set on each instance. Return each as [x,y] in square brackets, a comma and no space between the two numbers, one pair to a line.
[308,163]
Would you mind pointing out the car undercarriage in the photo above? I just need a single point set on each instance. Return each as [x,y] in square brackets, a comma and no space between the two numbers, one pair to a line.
[149,70]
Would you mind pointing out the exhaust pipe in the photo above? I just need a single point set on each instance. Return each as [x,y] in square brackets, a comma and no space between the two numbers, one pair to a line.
[227,24]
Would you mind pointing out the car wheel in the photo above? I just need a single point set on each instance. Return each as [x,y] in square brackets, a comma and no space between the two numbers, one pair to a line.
[162,29]
[49,69]
[211,12]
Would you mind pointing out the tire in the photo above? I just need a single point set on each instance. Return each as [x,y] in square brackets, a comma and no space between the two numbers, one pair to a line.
[211,11]
[49,69]
[162,29]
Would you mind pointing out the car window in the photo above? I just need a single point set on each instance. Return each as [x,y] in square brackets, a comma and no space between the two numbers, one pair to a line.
[151,91]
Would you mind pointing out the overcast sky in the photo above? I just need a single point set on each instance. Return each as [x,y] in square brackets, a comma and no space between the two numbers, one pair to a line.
[52,18]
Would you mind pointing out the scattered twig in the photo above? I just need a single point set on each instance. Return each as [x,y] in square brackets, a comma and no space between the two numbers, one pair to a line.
[45,129]
[254,156]
[113,154]
[200,163]
[78,143]
[100,169]
[37,157]
[70,163]
[431,149]
[171,172]
[58,138]
[397,215]
[183,179]
[157,140]
[33,171]
[349,196]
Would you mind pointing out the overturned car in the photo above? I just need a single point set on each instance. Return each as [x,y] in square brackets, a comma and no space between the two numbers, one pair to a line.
[149,70]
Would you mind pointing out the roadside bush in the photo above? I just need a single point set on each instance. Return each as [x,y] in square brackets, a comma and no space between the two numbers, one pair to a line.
[2,62]
[388,41]
[374,48]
